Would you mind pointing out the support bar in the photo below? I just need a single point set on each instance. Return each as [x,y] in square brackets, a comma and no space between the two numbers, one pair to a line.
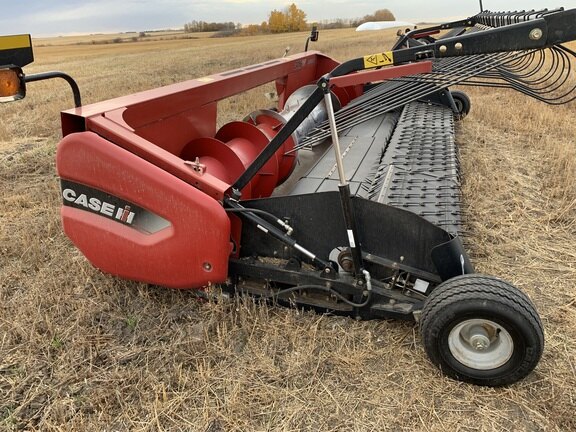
[50,75]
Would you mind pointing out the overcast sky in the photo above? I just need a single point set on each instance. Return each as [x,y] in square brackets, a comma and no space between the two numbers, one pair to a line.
[61,17]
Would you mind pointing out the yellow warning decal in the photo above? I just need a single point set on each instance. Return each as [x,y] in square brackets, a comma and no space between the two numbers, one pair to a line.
[380,59]
[15,42]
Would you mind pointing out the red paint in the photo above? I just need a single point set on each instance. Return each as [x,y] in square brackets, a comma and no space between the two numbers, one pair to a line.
[174,256]
[286,156]
[385,73]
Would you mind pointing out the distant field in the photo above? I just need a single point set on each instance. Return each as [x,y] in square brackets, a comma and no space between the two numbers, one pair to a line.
[81,350]
[128,37]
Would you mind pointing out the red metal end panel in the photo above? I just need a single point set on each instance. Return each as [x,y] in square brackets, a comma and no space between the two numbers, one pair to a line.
[382,74]
[190,250]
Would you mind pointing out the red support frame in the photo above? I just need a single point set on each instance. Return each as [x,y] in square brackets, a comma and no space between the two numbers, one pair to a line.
[383,74]
[158,124]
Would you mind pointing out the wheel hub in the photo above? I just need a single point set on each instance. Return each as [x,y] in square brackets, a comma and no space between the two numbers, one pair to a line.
[480,344]
[480,340]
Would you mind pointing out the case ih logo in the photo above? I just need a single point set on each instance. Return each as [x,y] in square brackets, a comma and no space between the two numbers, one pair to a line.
[95,201]
[97,206]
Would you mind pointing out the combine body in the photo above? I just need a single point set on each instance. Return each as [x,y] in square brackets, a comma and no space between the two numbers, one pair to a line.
[344,197]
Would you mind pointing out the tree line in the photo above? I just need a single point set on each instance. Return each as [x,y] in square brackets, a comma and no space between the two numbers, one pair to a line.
[203,26]
[290,19]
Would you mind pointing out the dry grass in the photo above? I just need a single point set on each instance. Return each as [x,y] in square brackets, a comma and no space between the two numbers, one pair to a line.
[80,350]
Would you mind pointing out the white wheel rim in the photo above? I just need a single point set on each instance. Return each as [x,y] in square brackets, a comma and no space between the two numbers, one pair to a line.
[480,344]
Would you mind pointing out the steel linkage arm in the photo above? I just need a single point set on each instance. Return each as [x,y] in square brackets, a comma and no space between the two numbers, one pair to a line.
[420,33]
[546,31]
[524,33]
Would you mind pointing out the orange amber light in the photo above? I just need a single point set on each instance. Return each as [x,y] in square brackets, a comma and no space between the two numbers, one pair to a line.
[9,83]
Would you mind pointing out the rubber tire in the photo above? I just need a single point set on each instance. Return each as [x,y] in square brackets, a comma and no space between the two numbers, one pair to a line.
[462,102]
[477,296]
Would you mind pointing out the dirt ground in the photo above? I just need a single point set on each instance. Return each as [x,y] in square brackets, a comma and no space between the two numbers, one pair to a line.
[81,350]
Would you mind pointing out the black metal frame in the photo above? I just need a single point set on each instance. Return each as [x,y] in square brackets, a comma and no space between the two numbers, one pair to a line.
[393,243]
[51,75]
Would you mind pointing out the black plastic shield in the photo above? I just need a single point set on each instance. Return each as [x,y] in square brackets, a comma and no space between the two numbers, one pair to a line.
[16,50]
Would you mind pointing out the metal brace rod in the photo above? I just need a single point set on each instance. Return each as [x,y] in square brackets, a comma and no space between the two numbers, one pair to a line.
[344,188]
[334,132]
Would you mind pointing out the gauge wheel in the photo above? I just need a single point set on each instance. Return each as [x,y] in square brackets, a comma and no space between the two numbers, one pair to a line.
[481,330]
[462,102]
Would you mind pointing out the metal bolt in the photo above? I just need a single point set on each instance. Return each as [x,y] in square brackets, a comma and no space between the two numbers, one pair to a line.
[443,49]
[536,34]
[458,46]
[207,266]
[480,346]
[326,270]
[480,342]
